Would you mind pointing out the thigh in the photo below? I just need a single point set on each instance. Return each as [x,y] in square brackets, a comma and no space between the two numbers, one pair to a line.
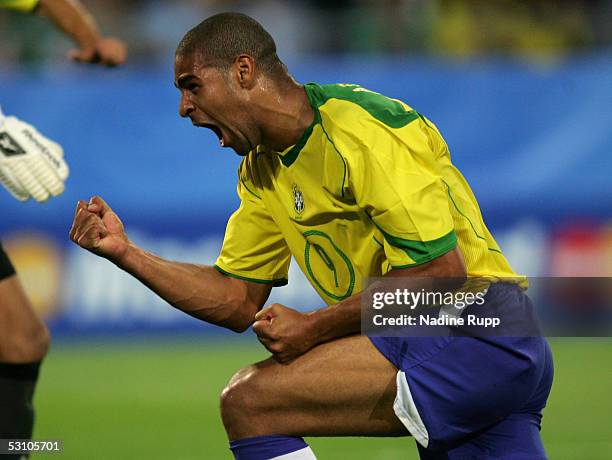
[472,385]
[343,387]
[20,326]
[517,437]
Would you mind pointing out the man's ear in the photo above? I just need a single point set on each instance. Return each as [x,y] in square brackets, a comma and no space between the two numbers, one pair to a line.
[245,70]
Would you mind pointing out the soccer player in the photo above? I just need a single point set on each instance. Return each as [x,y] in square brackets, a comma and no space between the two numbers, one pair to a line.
[32,166]
[352,184]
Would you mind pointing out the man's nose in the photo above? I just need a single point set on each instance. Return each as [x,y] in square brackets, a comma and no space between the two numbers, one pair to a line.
[185,107]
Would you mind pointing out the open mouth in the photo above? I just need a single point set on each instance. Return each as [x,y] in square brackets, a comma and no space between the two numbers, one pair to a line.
[214,128]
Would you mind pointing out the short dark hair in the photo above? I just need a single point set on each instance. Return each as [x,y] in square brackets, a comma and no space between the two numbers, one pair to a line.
[223,37]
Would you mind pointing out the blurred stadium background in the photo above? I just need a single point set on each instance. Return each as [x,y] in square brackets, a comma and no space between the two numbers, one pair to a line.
[521,90]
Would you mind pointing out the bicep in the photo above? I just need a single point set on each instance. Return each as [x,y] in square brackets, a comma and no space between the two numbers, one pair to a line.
[247,299]
[444,274]
[257,293]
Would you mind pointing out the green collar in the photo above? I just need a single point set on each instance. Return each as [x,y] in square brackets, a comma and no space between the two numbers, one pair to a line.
[290,154]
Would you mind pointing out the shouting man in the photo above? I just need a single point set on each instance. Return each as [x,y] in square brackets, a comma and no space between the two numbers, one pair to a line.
[353,185]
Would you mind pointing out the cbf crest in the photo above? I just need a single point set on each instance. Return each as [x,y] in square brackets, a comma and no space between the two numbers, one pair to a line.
[298,200]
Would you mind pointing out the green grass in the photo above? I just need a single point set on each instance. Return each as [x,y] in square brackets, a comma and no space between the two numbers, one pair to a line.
[159,400]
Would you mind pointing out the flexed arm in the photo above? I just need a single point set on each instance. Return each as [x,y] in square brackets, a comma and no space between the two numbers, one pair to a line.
[71,17]
[198,290]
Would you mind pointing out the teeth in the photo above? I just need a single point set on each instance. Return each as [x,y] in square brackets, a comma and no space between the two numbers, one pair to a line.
[221,142]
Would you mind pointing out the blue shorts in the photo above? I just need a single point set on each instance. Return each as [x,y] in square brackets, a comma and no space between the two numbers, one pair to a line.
[473,398]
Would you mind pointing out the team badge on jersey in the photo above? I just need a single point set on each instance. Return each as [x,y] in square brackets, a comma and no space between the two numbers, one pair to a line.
[298,199]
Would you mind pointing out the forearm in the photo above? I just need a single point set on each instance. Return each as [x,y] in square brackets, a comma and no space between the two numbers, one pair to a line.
[337,320]
[73,19]
[443,274]
[344,318]
[199,291]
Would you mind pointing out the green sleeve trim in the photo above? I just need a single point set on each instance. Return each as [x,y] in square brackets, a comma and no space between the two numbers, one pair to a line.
[423,251]
[23,6]
[275,282]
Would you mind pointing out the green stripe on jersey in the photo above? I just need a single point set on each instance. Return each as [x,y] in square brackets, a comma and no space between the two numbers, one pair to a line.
[423,251]
[386,110]
[276,282]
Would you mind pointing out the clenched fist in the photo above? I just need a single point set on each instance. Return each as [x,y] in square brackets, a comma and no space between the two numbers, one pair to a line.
[98,229]
[109,52]
[285,332]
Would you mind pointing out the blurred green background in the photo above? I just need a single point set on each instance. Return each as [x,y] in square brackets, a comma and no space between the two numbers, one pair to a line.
[159,400]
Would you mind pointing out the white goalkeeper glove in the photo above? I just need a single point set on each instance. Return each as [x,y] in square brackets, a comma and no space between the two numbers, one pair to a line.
[31,166]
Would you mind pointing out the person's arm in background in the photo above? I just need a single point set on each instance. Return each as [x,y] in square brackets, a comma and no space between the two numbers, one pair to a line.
[71,17]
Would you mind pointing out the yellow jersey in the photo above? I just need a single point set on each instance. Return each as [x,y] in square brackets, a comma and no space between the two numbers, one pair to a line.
[25,6]
[369,187]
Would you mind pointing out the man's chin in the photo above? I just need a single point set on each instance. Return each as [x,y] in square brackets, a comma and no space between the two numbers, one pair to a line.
[242,150]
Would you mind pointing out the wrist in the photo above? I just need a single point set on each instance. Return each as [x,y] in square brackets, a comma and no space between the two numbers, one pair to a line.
[337,320]
[126,257]
[318,326]
[87,38]
[88,44]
